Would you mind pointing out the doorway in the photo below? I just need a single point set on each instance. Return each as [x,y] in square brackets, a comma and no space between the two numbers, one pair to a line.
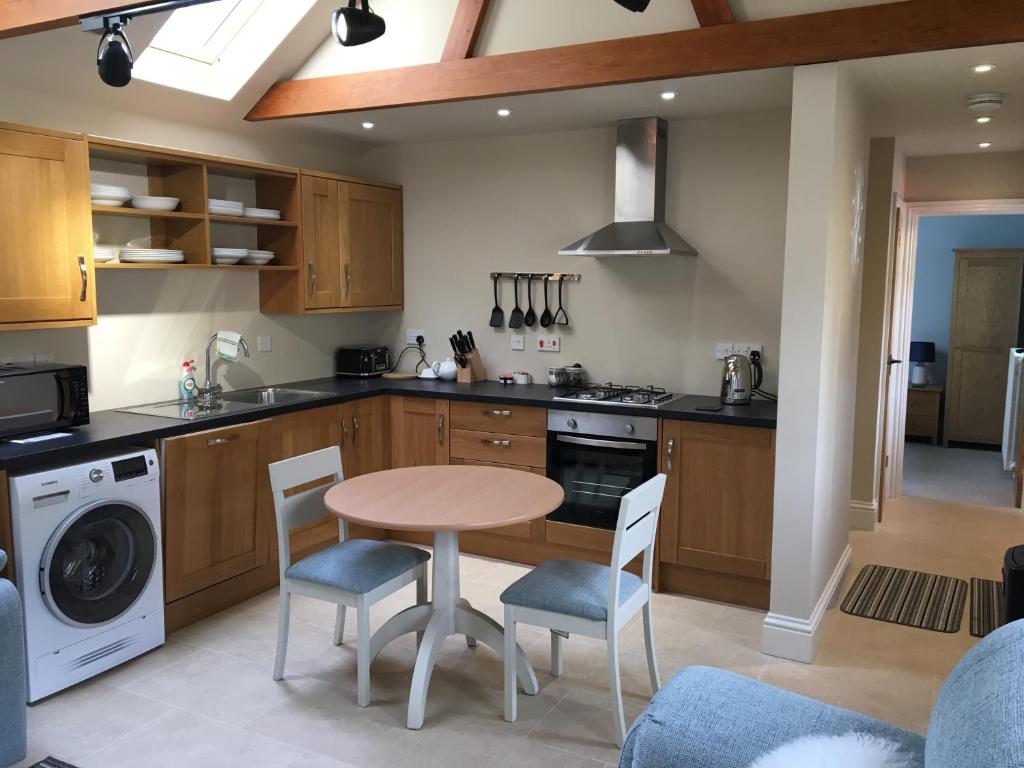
[960,302]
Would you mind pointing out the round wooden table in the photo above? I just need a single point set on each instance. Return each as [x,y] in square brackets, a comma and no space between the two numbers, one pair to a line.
[445,500]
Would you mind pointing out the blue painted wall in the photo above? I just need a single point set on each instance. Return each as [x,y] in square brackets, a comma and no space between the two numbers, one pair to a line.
[937,236]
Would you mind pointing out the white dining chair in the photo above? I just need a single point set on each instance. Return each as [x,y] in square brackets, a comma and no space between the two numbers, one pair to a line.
[573,596]
[354,573]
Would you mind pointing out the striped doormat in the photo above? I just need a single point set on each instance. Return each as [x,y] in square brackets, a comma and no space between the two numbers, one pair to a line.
[986,606]
[911,598]
[52,762]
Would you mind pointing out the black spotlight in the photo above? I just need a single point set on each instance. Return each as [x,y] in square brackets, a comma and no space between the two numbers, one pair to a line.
[355,26]
[114,57]
[637,6]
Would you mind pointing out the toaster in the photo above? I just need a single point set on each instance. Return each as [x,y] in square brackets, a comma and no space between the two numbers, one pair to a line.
[362,361]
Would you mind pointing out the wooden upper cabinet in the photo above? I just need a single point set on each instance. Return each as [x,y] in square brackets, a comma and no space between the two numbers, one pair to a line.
[214,530]
[717,510]
[419,431]
[322,244]
[372,263]
[46,269]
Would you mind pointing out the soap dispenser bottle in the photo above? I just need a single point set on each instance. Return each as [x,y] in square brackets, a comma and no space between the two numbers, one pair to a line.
[187,381]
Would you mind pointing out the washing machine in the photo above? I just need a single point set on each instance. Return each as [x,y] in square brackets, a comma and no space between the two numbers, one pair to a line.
[88,563]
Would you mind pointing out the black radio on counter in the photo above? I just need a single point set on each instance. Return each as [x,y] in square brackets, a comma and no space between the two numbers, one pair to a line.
[361,360]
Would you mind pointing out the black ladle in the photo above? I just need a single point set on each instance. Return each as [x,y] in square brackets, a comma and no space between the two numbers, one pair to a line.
[561,310]
[497,314]
[546,318]
[531,317]
[515,320]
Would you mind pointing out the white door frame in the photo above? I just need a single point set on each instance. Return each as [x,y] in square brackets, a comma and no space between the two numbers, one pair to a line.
[903,310]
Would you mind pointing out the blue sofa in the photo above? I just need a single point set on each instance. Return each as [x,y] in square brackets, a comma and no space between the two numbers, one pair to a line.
[12,673]
[709,718]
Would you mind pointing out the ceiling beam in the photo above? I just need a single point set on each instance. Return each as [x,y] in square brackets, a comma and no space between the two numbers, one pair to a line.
[23,17]
[466,26]
[909,26]
[712,12]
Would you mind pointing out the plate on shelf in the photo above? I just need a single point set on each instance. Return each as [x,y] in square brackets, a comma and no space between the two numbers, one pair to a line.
[109,190]
[113,202]
[151,203]
[260,258]
[151,255]
[225,207]
[262,213]
[102,254]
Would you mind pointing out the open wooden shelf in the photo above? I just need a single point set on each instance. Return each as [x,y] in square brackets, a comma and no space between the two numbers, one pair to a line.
[241,267]
[251,221]
[140,213]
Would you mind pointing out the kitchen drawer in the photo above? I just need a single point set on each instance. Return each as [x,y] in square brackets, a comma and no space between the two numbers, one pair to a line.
[498,448]
[579,536]
[507,419]
[518,530]
[923,403]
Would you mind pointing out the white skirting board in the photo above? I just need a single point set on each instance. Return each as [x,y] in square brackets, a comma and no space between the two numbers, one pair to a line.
[863,515]
[790,637]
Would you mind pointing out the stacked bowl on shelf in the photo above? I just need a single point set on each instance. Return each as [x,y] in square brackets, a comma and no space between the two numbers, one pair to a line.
[228,256]
[109,195]
[234,208]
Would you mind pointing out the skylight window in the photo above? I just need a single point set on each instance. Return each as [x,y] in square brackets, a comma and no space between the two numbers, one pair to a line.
[203,32]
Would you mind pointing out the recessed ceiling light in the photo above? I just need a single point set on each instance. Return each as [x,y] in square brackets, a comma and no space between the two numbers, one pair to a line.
[368,126]
[982,120]
[668,95]
[504,112]
[981,69]
[984,144]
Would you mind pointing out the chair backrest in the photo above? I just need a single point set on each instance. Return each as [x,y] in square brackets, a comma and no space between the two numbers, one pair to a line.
[305,506]
[635,533]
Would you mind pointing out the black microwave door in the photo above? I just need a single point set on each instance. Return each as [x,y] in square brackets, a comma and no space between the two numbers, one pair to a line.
[33,403]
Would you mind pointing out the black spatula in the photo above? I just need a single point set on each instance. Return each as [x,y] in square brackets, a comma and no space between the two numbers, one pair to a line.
[515,320]
[531,317]
[546,318]
[497,314]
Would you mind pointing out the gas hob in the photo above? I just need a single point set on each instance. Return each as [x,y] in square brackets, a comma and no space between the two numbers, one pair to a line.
[618,394]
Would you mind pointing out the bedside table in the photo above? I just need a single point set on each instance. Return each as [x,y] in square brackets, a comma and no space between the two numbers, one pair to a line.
[924,412]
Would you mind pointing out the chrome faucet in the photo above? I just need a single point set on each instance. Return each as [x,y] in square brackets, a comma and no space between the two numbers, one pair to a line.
[210,391]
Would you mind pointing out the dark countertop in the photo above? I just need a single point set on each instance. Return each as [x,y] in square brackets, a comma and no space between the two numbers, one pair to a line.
[109,430]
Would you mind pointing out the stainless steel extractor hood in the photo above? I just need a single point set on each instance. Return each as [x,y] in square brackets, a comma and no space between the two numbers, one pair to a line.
[639,227]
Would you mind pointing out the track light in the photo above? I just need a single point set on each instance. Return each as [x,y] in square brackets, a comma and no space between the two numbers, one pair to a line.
[637,6]
[355,26]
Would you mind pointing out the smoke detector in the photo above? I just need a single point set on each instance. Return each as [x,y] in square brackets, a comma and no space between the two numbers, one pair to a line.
[985,102]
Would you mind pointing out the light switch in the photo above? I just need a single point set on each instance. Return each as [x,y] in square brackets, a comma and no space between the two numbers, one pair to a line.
[518,341]
[263,343]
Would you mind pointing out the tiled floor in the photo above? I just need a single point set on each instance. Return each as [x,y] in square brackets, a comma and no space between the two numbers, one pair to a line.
[207,698]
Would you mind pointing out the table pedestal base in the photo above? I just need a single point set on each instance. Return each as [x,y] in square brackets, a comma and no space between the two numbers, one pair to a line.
[447,614]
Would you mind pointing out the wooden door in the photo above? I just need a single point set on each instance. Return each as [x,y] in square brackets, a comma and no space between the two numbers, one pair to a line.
[717,511]
[213,530]
[46,270]
[419,431]
[372,271]
[286,437]
[984,323]
[321,241]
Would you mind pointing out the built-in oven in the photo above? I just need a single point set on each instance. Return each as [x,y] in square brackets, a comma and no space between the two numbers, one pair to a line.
[597,458]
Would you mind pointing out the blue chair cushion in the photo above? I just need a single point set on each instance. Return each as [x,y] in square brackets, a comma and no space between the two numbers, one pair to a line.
[978,717]
[710,718]
[357,565]
[12,676]
[569,587]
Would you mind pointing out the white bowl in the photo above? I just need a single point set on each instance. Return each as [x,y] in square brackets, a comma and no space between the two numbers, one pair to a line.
[239,252]
[103,255]
[150,203]
[108,190]
[259,260]
[226,259]
[112,202]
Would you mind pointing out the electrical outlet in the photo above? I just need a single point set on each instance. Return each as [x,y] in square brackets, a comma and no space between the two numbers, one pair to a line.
[723,350]
[412,333]
[745,349]
[263,343]
[518,341]
[18,359]
[549,343]
[46,357]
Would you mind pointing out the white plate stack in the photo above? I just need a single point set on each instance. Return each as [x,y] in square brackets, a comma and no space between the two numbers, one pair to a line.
[260,258]
[151,256]
[229,255]
[101,254]
[105,194]
[262,213]
[153,203]
[226,207]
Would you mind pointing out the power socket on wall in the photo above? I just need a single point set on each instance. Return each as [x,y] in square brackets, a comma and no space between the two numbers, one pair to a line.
[411,335]
[725,348]
[549,343]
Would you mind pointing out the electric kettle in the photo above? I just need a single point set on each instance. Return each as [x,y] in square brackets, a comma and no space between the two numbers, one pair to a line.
[736,385]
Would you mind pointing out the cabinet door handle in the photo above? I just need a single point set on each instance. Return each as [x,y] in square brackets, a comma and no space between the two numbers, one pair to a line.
[670,445]
[221,440]
[355,430]
[344,430]
[440,429]
[312,277]
[498,443]
[488,412]
[85,277]
[348,279]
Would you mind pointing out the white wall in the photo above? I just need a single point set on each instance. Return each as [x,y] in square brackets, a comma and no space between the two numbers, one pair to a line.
[508,204]
[820,318]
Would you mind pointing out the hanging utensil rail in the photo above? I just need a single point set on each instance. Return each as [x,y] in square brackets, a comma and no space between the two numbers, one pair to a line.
[569,277]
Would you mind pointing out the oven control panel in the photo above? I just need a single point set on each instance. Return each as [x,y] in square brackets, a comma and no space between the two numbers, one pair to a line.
[611,425]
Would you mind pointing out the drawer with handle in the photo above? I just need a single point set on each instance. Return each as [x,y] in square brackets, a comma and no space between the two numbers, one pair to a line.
[507,419]
[522,450]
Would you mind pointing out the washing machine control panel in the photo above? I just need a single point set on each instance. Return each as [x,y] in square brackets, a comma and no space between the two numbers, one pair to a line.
[96,474]
[104,475]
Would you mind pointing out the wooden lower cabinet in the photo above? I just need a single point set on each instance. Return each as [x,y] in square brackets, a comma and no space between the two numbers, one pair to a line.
[533,530]
[419,431]
[213,526]
[715,536]
[365,445]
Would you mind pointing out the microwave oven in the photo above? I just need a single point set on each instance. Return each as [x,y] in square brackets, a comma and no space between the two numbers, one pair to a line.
[42,397]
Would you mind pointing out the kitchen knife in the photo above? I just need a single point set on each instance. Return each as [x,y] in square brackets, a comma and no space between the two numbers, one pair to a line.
[462,341]
[455,344]
[472,343]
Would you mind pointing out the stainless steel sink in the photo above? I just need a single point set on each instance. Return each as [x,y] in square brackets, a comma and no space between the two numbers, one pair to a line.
[270,396]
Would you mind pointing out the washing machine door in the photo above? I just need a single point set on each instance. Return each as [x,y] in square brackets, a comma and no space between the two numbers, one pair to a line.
[98,562]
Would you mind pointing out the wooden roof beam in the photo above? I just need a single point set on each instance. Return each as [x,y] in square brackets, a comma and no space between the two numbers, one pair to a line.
[23,17]
[466,26]
[710,13]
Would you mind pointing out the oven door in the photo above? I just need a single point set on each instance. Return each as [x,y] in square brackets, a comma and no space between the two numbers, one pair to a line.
[595,474]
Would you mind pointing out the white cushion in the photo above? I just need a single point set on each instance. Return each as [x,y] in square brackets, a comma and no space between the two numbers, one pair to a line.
[854,750]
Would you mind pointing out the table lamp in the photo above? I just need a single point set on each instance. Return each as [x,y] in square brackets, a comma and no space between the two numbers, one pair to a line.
[922,355]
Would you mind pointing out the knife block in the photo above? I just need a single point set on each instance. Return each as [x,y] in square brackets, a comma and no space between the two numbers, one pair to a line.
[474,370]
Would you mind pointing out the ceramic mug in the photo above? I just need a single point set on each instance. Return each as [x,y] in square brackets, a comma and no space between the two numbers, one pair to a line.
[445,370]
